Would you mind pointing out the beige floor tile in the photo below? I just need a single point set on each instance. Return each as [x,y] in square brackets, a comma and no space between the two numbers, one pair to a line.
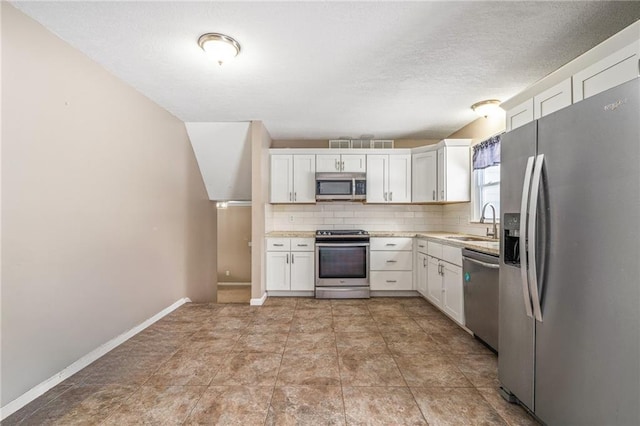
[455,407]
[513,414]
[270,342]
[437,323]
[289,302]
[255,369]
[480,369]
[410,343]
[361,343]
[387,310]
[357,324]
[167,405]
[228,324]
[188,367]
[370,370]
[350,310]
[310,314]
[306,405]
[309,369]
[40,402]
[459,342]
[381,406]
[311,325]
[311,303]
[432,370]
[232,405]
[397,325]
[277,313]
[318,343]
[212,342]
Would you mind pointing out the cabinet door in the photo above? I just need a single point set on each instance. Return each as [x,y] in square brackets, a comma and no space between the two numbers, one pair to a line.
[328,163]
[553,99]
[615,69]
[425,177]
[520,115]
[399,178]
[455,183]
[377,178]
[278,270]
[354,163]
[442,181]
[453,300]
[302,270]
[434,281]
[281,178]
[304,179]
[421,276]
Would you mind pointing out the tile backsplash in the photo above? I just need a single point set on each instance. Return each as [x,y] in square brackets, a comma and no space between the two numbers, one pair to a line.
[372,217]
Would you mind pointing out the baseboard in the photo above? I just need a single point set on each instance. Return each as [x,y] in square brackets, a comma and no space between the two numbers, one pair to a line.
[233,284]
[260,301]
[78,365]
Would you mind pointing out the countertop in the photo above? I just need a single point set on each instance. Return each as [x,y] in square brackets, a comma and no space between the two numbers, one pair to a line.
[486,246]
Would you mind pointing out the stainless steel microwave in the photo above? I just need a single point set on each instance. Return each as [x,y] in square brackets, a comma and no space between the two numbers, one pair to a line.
[341,186]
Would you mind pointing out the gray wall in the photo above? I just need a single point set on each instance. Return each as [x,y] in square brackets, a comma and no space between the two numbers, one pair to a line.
[105,218]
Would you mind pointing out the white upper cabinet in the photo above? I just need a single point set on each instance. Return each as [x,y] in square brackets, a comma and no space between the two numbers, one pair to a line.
[453,171]
[552,99]
[341,163]
[425,177]
[615,69]
[519,115]
[389,178]
[293,178]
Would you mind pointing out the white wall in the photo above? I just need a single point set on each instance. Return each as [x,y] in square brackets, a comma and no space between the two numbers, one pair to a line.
[105,218]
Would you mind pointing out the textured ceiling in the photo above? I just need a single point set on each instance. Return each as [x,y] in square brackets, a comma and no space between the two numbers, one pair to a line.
[321,70]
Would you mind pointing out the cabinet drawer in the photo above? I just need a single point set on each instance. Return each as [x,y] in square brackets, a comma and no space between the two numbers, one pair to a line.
[278,244]
[391,261]
[452,254]
[434,249]
[421,246]
[303,244]
[392,244]
[391,280]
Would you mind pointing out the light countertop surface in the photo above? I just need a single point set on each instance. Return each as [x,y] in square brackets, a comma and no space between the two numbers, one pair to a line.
[486,246]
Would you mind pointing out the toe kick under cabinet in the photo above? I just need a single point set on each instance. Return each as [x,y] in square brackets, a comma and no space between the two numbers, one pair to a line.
[391,261]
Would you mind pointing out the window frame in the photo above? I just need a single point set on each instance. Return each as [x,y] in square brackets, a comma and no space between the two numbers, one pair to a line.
[476,191]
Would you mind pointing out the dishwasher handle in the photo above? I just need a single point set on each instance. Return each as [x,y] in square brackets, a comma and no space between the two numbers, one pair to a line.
[485,264]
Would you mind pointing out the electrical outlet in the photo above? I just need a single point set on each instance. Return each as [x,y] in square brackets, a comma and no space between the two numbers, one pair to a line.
[226,273]
[291,218]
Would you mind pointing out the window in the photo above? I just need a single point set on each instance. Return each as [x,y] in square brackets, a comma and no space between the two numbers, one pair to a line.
[486,179]
[486,189]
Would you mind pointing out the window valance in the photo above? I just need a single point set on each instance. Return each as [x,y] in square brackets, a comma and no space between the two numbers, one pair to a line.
[487,153]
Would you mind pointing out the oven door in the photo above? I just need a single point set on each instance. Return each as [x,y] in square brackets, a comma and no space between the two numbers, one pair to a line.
[342,264]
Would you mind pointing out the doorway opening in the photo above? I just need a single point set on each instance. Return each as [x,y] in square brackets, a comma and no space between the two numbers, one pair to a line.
[234,252]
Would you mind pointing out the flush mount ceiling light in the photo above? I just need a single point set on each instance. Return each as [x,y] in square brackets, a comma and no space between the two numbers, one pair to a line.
[219,46]
[486,108]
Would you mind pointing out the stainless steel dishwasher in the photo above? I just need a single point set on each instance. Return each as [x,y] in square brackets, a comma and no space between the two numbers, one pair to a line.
[480,277]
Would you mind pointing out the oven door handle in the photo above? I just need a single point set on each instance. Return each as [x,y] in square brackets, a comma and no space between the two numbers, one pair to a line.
[342,244]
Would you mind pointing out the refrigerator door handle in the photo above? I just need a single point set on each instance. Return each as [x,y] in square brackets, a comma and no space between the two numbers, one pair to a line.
[523,237]
[533,215]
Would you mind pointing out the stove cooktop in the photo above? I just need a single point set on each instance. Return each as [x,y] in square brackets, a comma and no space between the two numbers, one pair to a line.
[340,232]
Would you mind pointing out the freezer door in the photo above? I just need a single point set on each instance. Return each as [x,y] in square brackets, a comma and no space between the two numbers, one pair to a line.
[516,338]
[588,343]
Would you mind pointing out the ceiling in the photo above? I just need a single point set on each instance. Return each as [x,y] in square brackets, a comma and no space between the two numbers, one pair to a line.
[323,70]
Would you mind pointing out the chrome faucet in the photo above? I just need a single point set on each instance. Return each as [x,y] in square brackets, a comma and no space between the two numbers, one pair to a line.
[482,218]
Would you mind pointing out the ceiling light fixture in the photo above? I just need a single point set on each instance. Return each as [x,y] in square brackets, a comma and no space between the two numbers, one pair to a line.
[486,108]
[219,46]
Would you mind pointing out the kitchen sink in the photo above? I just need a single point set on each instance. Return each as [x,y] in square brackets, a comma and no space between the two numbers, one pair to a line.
[470,239]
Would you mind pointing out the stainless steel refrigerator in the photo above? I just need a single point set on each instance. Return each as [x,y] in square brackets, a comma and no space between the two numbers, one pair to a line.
[570,262]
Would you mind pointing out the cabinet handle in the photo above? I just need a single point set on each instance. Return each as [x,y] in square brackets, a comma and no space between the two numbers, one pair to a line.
[442,194]
[342,166]
[420,246]
[391,196]
[392,261]
[278,245]
[337,166]
[287,258]
[290,197]
[434,195]
[292,258]
[424,262]
[303,245]
[391,244]
[295,196]
[392,281]
[385,196]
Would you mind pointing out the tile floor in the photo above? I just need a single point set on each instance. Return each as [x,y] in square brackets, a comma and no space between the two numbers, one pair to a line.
[382,361]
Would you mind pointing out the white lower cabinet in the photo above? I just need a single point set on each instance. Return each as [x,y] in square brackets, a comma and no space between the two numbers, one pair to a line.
[444,279]
[290,264]
[391,261]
